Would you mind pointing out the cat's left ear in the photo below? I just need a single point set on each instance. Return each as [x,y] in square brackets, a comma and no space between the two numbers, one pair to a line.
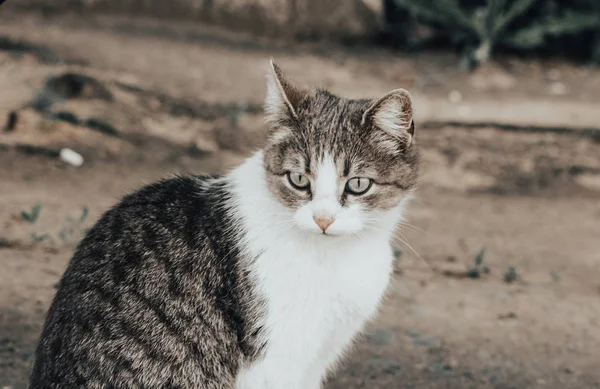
[283,97]
[393,113]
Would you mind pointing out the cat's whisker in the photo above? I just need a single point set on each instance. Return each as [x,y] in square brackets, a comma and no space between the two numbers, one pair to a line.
[402,241]
[420,199]
[400,223]
[415,228]
[416,253]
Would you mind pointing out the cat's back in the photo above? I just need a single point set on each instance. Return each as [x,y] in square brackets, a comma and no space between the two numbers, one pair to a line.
[156,286]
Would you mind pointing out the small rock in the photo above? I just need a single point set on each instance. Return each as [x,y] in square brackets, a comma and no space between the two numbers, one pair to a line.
[540,381]
[71,157]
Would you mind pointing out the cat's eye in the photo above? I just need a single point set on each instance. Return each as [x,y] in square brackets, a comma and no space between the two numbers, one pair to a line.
[298,181]
[358,185]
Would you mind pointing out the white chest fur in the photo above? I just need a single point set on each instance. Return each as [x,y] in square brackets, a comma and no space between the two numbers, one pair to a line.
[319,291]
[316,304]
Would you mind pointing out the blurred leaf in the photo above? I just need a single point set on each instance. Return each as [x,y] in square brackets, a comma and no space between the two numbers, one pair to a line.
[517,24]
[526,38]
[572,23]
[535,35]
[501,20]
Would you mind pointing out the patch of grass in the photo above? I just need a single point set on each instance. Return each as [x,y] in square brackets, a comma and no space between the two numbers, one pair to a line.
[478,268]
[511,275]
[75,226]
[33,214]
[37,238]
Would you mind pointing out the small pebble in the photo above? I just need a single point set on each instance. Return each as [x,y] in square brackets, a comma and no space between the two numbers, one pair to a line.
[71,157]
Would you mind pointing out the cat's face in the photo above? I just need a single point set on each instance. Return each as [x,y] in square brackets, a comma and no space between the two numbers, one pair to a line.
[339,166]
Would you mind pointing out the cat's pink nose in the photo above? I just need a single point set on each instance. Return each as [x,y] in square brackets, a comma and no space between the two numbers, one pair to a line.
[323,221]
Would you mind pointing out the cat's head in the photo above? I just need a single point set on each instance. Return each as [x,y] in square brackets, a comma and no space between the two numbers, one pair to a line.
[340,166]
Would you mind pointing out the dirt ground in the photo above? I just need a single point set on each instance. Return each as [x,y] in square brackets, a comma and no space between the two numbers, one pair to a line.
[498,273]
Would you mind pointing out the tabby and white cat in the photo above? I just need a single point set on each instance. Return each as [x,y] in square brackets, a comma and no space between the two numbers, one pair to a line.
[259,279]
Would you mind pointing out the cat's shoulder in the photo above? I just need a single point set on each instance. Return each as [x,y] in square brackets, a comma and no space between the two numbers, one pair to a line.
[175,189]
[175,204]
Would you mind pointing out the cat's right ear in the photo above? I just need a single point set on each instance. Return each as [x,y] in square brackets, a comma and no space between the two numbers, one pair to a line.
[393,113]
[282,97]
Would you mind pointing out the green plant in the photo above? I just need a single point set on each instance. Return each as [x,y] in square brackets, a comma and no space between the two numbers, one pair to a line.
[32,215]
[511,275]
[515,24]
[478,268]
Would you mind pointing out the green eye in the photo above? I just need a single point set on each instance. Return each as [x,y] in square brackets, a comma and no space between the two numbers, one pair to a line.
[298,180]
[358,185]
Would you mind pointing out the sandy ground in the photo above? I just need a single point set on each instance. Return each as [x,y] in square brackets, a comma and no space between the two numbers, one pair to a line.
[172,98]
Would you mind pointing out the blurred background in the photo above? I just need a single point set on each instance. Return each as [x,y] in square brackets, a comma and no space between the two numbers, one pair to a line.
[498,275]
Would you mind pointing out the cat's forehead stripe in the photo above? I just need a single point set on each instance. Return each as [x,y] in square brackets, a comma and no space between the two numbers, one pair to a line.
[326,182]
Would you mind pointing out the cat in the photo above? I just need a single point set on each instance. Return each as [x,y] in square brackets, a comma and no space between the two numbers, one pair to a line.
[258,279]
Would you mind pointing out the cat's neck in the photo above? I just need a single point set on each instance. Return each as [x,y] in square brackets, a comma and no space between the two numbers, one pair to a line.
[266,219]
